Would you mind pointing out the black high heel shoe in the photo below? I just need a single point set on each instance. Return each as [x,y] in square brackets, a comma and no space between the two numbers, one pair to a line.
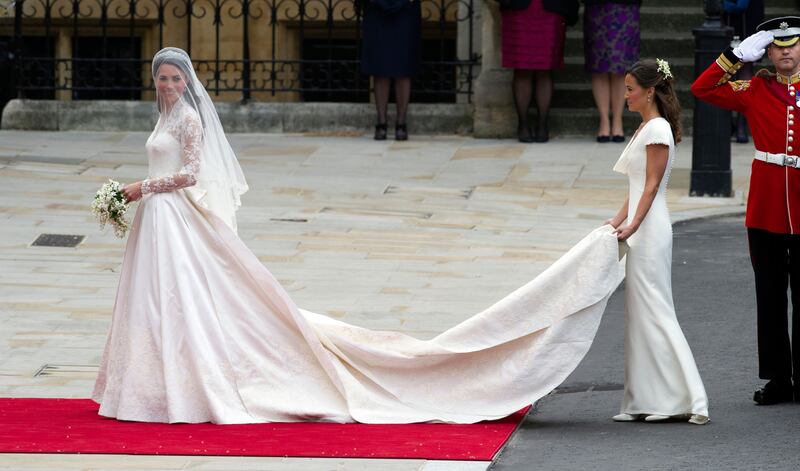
[400,132]
[524,134]
[542,134]
[380,132]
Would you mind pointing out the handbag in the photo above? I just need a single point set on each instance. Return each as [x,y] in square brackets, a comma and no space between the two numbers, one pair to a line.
[566,8]
[511,5]
[735,6]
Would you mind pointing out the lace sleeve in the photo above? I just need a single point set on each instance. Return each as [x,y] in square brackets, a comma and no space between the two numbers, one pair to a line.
[191,138]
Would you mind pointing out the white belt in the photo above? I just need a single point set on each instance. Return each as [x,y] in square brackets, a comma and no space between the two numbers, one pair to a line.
[778,159]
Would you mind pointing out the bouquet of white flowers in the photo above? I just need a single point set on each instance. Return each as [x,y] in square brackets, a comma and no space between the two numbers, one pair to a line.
[109,207]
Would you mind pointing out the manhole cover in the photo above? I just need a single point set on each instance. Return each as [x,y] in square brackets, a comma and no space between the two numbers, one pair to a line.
[58,240]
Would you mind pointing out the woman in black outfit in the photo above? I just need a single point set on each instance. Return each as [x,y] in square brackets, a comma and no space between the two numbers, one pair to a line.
[391,49]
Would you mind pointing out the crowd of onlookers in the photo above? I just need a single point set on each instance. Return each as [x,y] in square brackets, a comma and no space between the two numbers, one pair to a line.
[533,37]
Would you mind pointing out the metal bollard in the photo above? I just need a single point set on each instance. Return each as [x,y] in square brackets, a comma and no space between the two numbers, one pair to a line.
[711,146]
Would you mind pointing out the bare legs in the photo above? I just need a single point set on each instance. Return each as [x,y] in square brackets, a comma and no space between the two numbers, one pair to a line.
[402,95]
[522,87]
[609,95]
[601,90]
[617,104]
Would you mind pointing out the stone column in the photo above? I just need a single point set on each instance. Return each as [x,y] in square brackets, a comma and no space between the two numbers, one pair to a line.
[494,105]
[63,71]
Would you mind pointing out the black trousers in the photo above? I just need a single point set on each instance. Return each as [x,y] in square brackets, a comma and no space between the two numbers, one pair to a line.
[776,265]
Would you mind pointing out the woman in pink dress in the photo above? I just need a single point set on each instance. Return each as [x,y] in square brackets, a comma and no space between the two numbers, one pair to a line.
[533,45]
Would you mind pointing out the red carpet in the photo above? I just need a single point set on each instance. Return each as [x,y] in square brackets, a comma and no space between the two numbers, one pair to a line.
[73,426]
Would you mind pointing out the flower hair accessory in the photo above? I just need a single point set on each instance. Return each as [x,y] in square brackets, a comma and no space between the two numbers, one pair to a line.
[663,67]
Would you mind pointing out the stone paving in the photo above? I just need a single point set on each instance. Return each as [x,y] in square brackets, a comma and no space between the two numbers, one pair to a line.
[413,236]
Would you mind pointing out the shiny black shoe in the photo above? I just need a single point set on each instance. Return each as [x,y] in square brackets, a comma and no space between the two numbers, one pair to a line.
[542,134]
[774,392]
[400,132]
[603,139]
[524,135]
[617,138]
[380,132]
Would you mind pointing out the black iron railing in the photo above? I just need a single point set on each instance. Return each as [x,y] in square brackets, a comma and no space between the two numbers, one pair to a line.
[245,49]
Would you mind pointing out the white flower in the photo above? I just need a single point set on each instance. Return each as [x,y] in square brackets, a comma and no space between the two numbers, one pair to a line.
[109,207]
[663,67]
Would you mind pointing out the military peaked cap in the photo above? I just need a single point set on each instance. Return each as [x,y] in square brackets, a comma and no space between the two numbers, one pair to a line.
[786,30]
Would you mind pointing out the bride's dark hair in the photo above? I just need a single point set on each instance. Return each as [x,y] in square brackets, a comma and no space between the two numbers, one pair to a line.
[647,74]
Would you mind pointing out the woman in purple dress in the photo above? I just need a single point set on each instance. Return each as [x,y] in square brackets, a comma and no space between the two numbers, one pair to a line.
[611,46]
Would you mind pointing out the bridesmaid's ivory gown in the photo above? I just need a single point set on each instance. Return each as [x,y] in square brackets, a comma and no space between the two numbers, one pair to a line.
[661,377]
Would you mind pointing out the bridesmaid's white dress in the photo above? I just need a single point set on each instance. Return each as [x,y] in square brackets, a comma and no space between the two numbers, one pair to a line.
[202,332]
[661,377]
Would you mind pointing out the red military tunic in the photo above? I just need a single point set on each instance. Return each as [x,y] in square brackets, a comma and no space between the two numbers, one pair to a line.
[770,104]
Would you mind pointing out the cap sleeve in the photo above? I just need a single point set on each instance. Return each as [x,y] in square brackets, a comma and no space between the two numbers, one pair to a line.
[658,132]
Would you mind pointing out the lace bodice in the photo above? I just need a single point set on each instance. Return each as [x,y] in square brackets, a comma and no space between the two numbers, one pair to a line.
[173,152]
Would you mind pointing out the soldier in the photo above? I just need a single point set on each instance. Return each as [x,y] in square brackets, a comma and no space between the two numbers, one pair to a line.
[770,102]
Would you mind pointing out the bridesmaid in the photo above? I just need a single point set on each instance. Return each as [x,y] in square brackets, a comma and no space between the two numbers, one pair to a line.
[661,377]
[533,45]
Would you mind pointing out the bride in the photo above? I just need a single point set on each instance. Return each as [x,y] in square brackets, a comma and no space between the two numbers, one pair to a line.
[202,332]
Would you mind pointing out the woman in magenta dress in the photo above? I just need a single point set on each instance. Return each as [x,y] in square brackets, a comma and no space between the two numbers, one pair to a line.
[533,45]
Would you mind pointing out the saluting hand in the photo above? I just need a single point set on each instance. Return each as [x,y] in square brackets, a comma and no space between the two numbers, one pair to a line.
[754,46]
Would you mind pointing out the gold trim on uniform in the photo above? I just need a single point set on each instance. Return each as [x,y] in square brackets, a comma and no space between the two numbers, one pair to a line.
[729,67]
[788,80]
[739,85]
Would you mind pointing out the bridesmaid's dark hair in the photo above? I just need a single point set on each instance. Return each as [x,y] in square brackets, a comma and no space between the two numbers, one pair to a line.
[647,75]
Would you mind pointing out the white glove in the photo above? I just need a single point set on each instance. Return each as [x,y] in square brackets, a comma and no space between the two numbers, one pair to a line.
[754,46]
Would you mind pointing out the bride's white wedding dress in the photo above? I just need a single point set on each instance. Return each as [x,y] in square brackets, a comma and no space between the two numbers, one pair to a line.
[202,332]
[661,377]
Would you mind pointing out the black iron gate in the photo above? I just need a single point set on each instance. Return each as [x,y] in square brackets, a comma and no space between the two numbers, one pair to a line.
[286,50]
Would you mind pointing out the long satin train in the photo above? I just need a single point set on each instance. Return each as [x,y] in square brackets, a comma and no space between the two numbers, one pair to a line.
[202,331]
